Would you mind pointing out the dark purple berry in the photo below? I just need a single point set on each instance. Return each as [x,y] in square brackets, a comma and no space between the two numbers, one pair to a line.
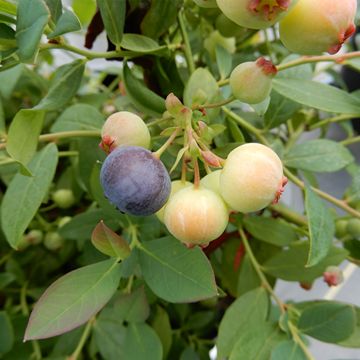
[135,181]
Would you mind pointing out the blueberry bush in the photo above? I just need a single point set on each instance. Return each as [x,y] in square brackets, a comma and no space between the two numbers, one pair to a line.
[145,149]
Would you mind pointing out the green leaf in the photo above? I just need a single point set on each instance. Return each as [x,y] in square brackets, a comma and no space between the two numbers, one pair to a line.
[248,310]
[132,307]
[224,61]
[84,9]
[321,227]
[320,155]
[290,264]
[7,333]
[23,135]
[9,79]
[272,231]
[142,342]
[248,278]
[166,10]
[175,273]
[161,325]
[68,22]
[73,299]
[145,99]
[328,321]
[280,110]
[109,335]
[25,194]
[55,7]
[113,15]
[140,43]
[354,340]
[201,80]
[288,350]
[32,17]
[7,7]
[79,117]
[317,95]
[80,227]
[7,37]
[109,243]
[64,85]
[256,342]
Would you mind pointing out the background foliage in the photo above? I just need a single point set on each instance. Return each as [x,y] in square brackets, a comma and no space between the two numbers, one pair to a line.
[158,299]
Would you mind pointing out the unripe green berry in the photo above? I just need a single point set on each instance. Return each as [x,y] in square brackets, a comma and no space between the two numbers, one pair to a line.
[353,228]
[212,181]
[313,27]
[124,128]
[53,241]
[63,198]
[255,14]
[63,221]
[175,187]
[252,178]
[341,228]
[34,237]
[196,216]
[251,81]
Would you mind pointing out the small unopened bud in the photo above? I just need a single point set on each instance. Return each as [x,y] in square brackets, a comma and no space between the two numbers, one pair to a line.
[34,237]
[306,285]
[333,276]
[173,105]
[211,159]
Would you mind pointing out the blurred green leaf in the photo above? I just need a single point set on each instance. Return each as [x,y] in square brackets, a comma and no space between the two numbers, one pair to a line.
[257,342]
[86,291]
[175,273]
[32,17]
[272,231]
[84,9]
[25,194]
[139,43]
[7,333]
[9,79]
[7,7]
[224,61]
[317,95]
[161,325]
[23,135]
[287,350]
[320,155]
[68,22]
[132,307]
[328,321]
[64,85]
[113,15]
[354,340]
[79,117]
[166,10]
[142,97]
[290,264]
[55,7]
[321,227]
[249,310]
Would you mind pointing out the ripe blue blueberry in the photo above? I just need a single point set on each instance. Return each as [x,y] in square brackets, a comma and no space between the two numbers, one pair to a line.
[135,181]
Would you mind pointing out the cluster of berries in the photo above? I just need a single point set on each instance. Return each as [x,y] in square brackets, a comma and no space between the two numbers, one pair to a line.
[136,182]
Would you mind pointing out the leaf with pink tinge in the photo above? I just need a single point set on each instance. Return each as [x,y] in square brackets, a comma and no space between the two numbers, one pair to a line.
[109,243]
[73,299]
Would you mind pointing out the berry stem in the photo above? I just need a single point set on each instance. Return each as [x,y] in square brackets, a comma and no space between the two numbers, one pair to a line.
[351,140]
[196,173]
[168,142]
[340,58]
[298,340]
[183,169]
[214,105]
[187,47]
[258,270]
[339,203]
[83,339]
[331,120]
[64,135]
